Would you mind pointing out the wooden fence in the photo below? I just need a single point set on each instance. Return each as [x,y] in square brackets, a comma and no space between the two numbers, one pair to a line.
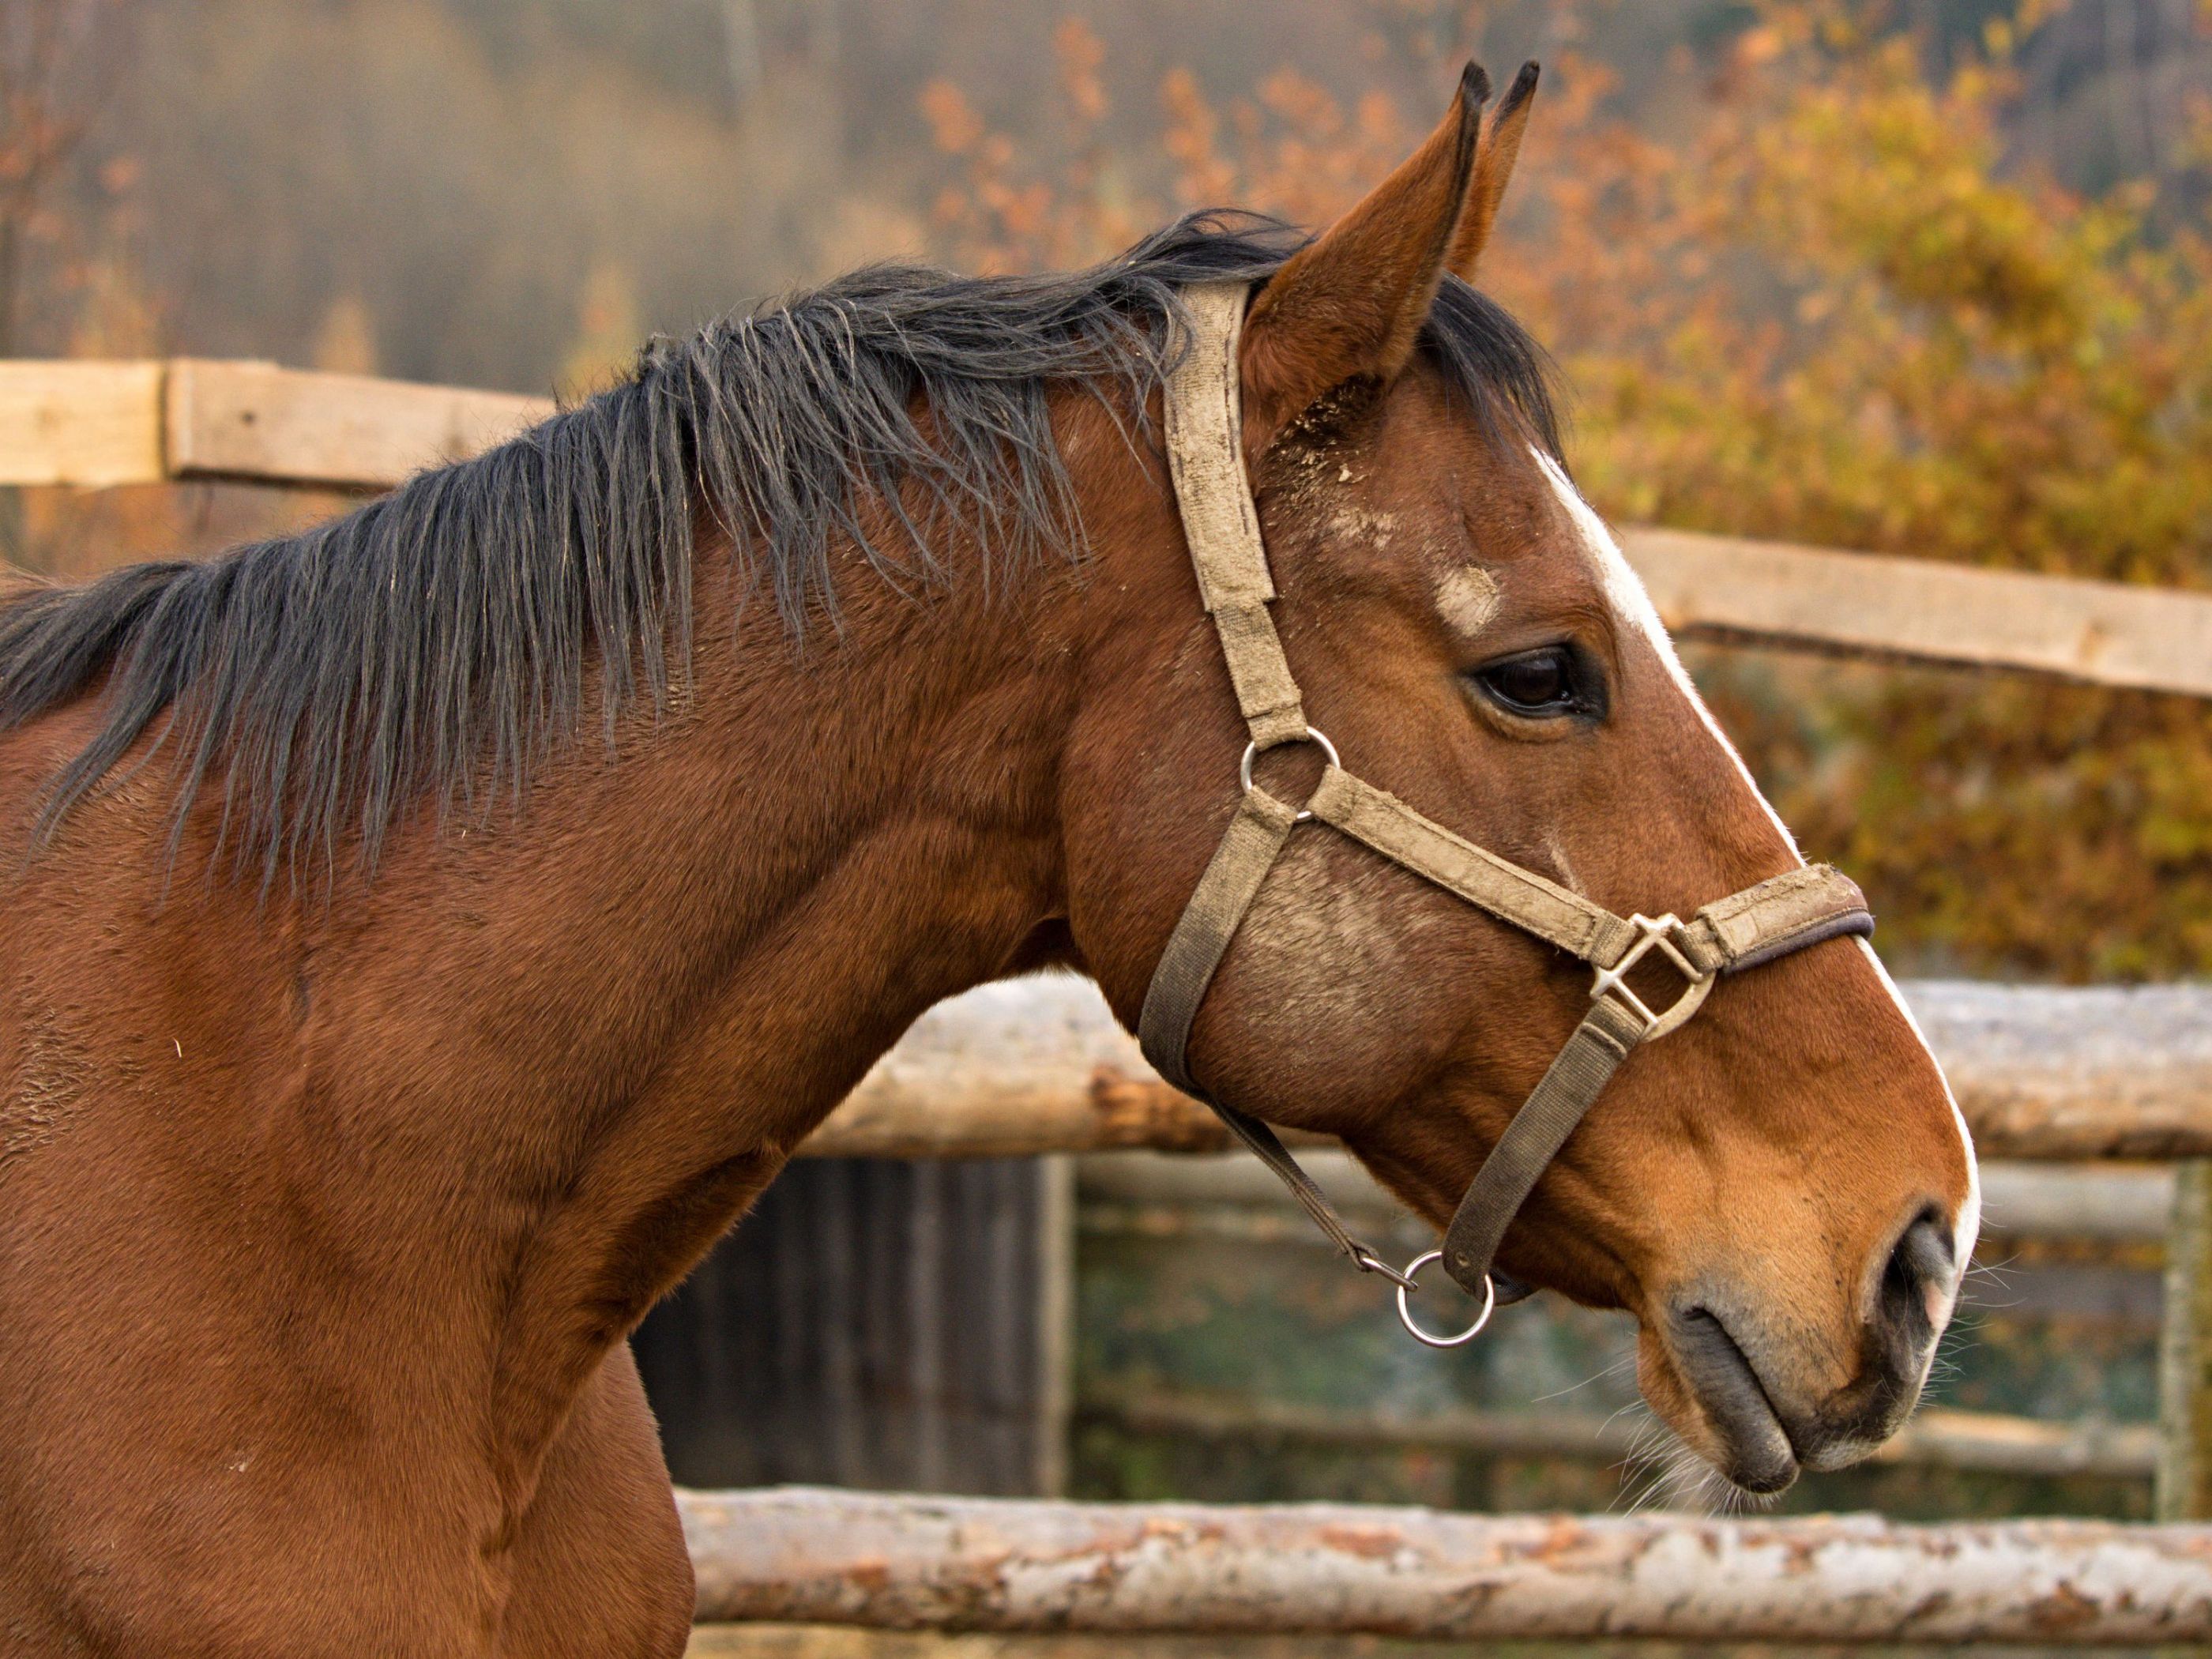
[1038,1067]
[2043,1074]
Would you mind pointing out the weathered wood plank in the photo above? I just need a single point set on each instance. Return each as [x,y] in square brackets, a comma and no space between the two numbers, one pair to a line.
[2044,1072]
[873,1324]
[1022,1067]
[1778,593]
[953,1563]
[1039,1066]
[256,421]
[87,423]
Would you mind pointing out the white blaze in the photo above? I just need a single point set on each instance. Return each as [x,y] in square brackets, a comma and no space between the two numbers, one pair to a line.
[1632,603]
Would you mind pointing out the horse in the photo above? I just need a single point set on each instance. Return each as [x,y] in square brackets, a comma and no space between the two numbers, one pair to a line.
[424,935]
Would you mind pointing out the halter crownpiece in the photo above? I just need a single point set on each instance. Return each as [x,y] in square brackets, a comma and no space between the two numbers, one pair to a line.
[1786,913]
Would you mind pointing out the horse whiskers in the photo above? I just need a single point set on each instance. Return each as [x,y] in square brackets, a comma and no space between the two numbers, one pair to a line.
[1661,1471]
[1600,1375]
[1646,1461]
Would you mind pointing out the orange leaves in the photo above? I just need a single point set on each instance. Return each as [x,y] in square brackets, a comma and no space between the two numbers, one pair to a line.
[1081,53]
[954,125]
[1203,177]
[1291,149]
[1974,365]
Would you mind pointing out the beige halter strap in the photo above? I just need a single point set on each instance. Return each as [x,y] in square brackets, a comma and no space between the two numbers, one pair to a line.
[1788,913]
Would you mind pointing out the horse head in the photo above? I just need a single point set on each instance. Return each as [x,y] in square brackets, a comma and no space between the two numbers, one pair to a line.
[1782,1191]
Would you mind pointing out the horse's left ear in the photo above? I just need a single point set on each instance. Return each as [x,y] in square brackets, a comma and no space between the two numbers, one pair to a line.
[1493,166]
[1350,306]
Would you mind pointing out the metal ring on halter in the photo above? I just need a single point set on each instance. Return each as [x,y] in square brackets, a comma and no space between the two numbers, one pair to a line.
[1406,1316]
[1252,753]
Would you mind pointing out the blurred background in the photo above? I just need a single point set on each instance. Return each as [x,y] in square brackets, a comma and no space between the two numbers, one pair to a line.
[1928,276]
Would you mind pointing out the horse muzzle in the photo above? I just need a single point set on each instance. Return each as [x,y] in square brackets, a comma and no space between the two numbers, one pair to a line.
[1764,1408]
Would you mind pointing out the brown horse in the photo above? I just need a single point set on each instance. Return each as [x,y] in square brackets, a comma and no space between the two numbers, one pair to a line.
[376,1041]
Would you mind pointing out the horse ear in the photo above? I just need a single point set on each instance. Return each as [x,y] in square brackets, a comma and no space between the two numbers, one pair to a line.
[1350,305]
[1493,166]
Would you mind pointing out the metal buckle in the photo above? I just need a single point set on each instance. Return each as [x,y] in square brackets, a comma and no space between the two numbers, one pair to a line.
[1252,753]
[1654,933]
[1406,1316]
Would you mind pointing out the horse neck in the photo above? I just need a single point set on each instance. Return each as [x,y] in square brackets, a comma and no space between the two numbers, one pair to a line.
[586,1038]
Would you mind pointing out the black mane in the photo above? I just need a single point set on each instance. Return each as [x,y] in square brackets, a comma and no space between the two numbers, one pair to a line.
[436,642]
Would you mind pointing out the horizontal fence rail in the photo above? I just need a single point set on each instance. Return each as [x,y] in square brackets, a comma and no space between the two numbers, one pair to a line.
[1725,587]
[1039,1066]
[104,423]
[902,1562]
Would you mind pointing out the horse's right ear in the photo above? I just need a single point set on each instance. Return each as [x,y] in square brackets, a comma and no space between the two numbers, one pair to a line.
[1350,306]
[1493,166]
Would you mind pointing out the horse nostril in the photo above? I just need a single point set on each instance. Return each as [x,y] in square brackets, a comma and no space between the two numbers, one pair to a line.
[1916,1281]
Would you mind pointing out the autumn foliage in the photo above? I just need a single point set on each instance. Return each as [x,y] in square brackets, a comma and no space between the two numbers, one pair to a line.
[1831,310]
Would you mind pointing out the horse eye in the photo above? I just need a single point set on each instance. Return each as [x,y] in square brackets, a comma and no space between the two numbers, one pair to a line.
[1539,684]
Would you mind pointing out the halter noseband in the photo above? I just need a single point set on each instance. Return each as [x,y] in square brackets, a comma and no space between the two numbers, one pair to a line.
[1771,919]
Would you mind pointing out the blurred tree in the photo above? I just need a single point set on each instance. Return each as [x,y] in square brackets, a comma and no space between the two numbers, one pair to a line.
[1837,315]
[741,42]
[45,105]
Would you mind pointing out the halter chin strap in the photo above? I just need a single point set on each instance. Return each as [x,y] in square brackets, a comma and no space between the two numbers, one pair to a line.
[1776,917]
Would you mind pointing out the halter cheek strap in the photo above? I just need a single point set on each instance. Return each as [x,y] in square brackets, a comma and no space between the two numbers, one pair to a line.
[1786,913]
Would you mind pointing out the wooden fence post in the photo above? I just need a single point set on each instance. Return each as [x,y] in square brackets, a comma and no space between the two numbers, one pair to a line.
[1055,1403]
[2184,1375]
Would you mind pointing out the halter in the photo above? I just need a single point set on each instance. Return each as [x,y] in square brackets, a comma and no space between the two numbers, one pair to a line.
[1205,427]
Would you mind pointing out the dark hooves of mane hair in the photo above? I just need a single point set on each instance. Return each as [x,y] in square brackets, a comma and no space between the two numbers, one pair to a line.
[437,641]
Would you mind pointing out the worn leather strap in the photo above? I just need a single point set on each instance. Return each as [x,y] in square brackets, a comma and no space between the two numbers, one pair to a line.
[1379,819]
[1783,913]
[1570,1087]
[1205,425]
[1787,913]
[1247,851]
